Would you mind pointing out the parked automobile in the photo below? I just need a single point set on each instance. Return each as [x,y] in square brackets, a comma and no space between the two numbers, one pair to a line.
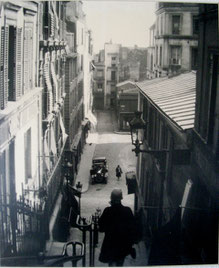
[99,170]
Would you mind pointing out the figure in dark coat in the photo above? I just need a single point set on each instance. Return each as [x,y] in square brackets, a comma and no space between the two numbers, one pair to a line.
[118,172]
[117,223]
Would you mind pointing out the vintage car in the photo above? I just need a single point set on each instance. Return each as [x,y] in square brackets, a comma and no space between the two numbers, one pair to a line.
[99,170]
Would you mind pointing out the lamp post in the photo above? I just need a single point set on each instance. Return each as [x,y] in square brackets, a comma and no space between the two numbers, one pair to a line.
[79,186]
[137,128]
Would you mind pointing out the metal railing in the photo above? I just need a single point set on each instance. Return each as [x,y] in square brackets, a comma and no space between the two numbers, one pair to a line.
[72,252]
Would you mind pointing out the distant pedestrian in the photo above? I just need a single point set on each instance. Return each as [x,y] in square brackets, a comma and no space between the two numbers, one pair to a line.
[118,172]
[117,222]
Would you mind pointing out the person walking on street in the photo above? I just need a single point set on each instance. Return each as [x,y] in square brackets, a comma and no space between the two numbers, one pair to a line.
[117,222]
[118,172]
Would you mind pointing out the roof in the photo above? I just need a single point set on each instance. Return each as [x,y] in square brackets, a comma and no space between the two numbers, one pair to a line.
[124,83]
[175,97]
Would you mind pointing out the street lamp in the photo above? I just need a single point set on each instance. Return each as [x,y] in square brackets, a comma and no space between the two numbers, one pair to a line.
[79,186]
[137,128]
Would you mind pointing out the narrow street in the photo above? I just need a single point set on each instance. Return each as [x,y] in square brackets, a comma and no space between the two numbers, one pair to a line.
[117,150]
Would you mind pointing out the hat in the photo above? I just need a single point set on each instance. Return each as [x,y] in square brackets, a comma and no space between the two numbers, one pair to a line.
[116,195]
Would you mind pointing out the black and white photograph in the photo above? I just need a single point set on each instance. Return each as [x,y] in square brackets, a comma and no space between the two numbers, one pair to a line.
[109,133]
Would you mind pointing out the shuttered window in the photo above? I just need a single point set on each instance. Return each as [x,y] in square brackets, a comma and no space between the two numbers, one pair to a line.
[4,68]
[10,65]
[28,57]
[18,64]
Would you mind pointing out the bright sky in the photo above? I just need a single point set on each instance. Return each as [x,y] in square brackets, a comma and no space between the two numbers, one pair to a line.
[124,22]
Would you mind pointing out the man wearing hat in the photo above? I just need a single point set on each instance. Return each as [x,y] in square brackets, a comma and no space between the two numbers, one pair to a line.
[117,222]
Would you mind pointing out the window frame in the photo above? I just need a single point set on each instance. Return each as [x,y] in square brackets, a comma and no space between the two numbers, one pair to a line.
[178,32]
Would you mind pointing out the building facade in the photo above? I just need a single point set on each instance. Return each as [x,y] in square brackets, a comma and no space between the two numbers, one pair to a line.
[78,84]
[175,33]
[178,175]
[205,154]
[98,81]
[43,47]
[116,64]
[111,60]
[126,103]
[21,118]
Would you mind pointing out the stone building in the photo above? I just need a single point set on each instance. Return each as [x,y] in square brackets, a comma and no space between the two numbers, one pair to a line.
[42,114]
[204,190]
[126,103]
[116,64]
[52,78]
[98,81]
[175,34]
[78,83]
[21,150]
[177,176]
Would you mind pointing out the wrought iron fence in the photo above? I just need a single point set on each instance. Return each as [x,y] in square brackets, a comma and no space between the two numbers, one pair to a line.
[22,228]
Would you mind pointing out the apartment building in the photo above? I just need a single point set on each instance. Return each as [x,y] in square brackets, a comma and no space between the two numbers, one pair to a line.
[177,173]
[111,60]
[174,39]
[20,116]
[42,114]
[98,81]
[116,64]
[78,69]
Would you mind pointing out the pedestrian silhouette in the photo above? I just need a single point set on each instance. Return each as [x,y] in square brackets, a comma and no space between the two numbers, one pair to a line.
[118,172]
[117,222]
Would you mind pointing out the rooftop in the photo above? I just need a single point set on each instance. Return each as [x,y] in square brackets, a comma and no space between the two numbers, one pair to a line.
[175,97]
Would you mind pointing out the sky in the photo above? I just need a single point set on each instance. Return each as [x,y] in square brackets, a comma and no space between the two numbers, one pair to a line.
[124,22]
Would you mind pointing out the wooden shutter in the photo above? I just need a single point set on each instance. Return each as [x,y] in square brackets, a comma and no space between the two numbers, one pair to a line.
[26,64]
[18,64]
[2,92]
[6,64]
[28,58]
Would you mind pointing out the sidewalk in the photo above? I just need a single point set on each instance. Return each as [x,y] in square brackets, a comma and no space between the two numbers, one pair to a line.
[54,247]
[86,161]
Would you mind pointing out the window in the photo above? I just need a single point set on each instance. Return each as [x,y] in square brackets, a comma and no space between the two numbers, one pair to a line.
[82,62]
[99,74]
[160,56]
[175,55]
[27,155]
[113,75]
[113,58]
[176,24]
[207,118]
[195,25]
[100,85]
[113,65]
[10,65]
[194,62]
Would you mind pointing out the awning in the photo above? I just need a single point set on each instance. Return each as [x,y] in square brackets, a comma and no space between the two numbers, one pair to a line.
[64,135]
[91,118]
[54,80]
[76,141]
